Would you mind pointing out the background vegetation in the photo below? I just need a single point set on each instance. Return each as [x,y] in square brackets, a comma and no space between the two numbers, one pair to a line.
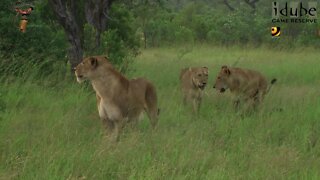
[143,23]
[49,125]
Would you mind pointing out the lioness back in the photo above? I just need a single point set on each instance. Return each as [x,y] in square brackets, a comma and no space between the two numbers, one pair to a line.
[140,89]
[250,78]
[247,85]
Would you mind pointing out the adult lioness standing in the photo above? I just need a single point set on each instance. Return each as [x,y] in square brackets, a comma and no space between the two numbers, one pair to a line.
[193,80]
[247,85]
[119,100]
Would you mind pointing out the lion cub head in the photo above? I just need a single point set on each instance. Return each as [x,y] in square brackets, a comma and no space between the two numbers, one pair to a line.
[89,68]
[221,83]
[199,77]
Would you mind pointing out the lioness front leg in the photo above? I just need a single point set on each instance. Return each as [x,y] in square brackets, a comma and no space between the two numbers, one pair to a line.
[199,100]
[108,125]
[118,126]
[98,101]
[195,106]
[236,104]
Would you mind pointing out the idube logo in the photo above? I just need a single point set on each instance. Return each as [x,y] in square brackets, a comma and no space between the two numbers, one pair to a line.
[294,12]
[275,31]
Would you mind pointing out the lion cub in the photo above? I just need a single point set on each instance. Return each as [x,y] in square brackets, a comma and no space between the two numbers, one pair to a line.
[193,81]
[119,99]
[247,85]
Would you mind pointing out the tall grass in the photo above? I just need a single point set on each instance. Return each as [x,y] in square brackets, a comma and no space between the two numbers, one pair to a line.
[52,130]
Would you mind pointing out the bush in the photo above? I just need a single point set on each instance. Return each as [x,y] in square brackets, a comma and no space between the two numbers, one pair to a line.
[40,46]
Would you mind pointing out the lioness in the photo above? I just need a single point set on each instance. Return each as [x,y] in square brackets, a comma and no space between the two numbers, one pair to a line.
[119,100]
[193,81]
[247,85]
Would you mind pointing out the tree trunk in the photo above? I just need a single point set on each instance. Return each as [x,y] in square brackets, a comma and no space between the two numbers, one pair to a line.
[67,19]
[145,39]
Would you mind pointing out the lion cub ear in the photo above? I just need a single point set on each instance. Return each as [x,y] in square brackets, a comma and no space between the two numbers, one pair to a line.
[93,62]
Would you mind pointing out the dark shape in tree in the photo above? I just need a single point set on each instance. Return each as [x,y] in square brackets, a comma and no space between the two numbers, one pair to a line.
[251,3]
[97,15]
[228,5]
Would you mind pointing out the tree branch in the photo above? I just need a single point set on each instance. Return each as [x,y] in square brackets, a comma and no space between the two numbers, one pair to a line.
[251,3]
[228,5]
[97,15]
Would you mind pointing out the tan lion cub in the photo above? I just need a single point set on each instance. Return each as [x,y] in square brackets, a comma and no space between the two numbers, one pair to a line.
[247,85]
[119,100]
[193,80]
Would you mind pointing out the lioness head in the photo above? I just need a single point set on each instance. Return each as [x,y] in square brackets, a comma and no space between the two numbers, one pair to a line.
[221,83]
[86,69]
[199,77]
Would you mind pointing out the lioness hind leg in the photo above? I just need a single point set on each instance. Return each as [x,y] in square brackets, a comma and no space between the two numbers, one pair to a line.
[153,117]
[117,128]
[257,100]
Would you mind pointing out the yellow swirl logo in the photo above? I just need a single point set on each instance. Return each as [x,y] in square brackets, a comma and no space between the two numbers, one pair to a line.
[275,31]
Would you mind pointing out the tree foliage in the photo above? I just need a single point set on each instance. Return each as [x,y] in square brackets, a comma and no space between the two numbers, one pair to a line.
[59,31]
[49,37]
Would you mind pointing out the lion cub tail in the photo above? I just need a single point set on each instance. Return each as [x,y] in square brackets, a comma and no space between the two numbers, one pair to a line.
[274,80]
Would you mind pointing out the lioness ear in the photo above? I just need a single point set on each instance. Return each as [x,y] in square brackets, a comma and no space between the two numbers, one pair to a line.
[93,62]
[206,69]
[227,71]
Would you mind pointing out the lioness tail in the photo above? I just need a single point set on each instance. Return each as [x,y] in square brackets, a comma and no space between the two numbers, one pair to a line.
[274,80]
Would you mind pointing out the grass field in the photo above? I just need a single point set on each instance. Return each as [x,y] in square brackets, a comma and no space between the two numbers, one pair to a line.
[52,131]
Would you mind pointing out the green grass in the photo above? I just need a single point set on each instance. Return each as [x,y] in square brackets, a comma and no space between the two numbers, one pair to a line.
[50,131]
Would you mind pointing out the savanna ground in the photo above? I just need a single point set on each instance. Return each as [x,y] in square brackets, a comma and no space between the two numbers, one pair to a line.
[52,131]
